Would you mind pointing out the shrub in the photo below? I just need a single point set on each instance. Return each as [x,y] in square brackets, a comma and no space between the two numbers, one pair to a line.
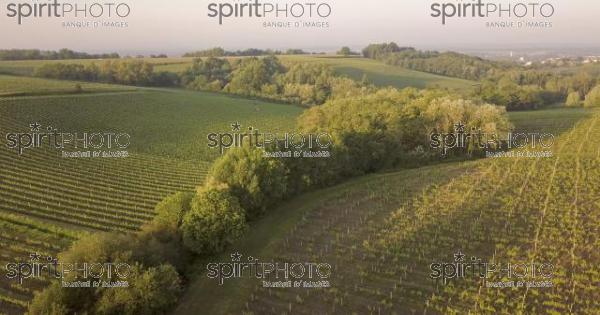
[170,211]
[256,181]
[215,220]
[592,99]
[151,291]
[366,130]
[94,248]
[573,100]
[51,301]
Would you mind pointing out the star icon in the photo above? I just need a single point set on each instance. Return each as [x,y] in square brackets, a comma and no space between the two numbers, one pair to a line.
[34,256]
[236,257]
[236,126]
[459,256]
[35,126]
[460,127]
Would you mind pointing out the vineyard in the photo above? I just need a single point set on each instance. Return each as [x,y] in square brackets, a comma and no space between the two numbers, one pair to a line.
[19,238]
[24,86]
[40,190]
[381,235]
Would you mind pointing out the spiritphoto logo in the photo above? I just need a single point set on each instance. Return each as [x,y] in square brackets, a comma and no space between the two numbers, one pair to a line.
[513,274]
[72,14]
[274,145]
[494,144]
[497,14]
[272,274]
[274,14]
[73,145]
[71,275]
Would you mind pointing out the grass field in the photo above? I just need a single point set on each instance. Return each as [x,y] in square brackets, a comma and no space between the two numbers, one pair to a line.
[382,232]
[168,150]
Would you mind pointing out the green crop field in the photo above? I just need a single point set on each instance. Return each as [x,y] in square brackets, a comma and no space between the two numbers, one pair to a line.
[381,233]
[19,238]
[555,119]
[168,153]
[27,86]
[381,74]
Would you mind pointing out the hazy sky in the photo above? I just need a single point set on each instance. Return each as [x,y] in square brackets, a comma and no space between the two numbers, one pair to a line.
[175,26]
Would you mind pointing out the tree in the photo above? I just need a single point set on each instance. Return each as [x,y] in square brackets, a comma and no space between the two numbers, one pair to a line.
[51,301]
[593,98]
[252,73]
[215,220]
[345,51]
[170,211]
[573,100]
[258,182]
[152,291]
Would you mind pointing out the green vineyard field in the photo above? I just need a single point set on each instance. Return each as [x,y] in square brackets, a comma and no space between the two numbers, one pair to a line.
[26,86]
[168,153]
[382,233]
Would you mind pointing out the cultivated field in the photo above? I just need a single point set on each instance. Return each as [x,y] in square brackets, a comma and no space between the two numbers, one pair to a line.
[381,233]
[168,150]
[19,238]
[27,86]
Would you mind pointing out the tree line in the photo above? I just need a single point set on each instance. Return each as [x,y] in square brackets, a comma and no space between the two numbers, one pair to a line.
[501,83]
[449,64]
[220,52]
[266,77]
[36,54]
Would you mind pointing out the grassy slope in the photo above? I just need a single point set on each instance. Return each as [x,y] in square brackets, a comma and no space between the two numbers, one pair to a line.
[361,207]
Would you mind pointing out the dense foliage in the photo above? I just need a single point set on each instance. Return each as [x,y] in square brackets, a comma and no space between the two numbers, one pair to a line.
[257,182]
[592,99]
[346,51]
[215,220]
[152,289]
[265,77]
[533,89]
[443,63]
[298,83]
[129,72]
[505,84]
